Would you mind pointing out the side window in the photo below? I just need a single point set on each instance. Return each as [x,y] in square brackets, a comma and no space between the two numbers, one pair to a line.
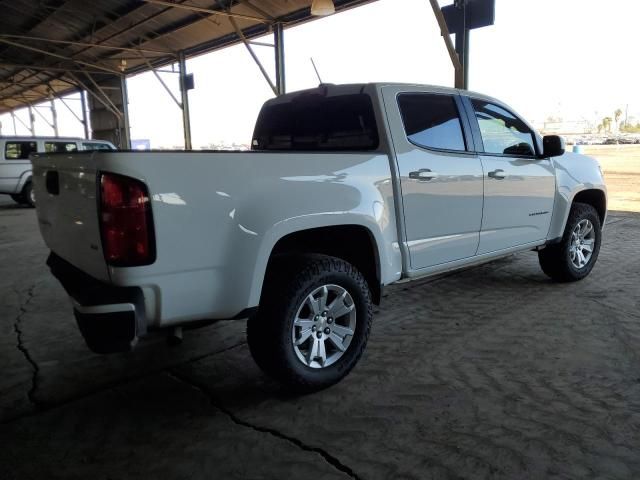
[431,121]
[95,146]
[502,132]
[19,150]
[60,147]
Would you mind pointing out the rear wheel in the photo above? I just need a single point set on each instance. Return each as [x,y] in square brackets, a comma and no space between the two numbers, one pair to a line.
[28,195]
[313,324]
[574,257]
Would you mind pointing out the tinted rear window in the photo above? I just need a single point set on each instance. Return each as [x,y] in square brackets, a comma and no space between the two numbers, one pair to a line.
[96,146]
[312,121]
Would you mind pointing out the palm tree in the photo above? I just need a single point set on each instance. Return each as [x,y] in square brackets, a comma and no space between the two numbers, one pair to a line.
[617,114]
[600,127]
[606,124]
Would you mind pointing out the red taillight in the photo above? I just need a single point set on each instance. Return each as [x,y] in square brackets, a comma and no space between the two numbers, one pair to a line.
[125,221]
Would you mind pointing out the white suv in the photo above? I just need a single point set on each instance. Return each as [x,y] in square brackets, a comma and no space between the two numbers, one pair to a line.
[15,166]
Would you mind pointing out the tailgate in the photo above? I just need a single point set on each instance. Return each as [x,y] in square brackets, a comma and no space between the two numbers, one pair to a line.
[65,188]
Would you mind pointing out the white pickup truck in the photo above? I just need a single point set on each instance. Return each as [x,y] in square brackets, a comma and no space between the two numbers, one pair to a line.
[347,189]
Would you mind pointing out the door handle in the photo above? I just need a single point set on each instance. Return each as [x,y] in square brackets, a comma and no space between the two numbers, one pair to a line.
[423,174]
[497,174]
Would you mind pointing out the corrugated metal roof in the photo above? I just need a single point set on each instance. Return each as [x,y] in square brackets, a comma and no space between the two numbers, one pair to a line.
[48,47]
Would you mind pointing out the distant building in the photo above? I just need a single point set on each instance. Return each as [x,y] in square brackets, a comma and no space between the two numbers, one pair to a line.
[564,127]
[141,144]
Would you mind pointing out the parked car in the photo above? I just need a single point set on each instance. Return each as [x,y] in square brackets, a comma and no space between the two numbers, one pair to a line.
[15,166]
[348,189]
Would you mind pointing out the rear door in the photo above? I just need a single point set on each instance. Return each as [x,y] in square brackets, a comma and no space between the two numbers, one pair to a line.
[440,177]
[519,186]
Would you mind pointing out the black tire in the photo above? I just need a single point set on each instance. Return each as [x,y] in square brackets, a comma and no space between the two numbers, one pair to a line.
[27,195]
[555,259]
[18,198]
[269,333]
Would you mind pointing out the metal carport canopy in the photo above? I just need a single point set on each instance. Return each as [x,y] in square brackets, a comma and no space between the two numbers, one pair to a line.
[53,47]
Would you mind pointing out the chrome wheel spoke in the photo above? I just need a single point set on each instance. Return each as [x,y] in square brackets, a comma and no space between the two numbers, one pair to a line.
[337,340]
[305,333]
[338,307]
[322,352]
[342,331]
[313,351]
[313,304]
[303,322]
[588,228]
[581,259]
[322,300]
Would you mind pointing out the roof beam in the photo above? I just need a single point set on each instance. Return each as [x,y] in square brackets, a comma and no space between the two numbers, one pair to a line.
[62,57]
[90,45]
[49,69]
[208,11]
[253,55]
[258,10]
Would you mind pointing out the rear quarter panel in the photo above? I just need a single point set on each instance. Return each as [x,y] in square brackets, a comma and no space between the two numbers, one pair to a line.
[217,217]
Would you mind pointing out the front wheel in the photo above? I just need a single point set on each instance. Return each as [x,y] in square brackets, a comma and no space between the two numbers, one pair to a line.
[313,323]
[574,257]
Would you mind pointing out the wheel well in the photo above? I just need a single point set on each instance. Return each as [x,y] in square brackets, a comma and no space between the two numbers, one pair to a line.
[352,243]
[595,198]
[28,178]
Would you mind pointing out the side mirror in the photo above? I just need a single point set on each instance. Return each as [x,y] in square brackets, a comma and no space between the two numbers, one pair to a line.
[552,146]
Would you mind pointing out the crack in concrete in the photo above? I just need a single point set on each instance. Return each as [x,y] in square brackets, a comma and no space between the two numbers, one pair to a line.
[20,346]
[326,456]
[45,405]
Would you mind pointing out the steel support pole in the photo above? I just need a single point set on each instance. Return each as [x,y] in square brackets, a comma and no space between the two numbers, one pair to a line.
[54,118]
[462,48]
[83,106]
[186,122]
[13,117]
[278,37]
[125,138]
[32,122]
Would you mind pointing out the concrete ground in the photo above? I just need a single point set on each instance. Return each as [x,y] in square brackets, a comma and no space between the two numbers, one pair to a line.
[490,372]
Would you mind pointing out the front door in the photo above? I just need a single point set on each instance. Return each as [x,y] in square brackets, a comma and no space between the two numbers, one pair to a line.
[519,186]
[441,180]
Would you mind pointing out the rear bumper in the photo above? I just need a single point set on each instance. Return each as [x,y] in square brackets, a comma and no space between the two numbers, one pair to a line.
[111,319]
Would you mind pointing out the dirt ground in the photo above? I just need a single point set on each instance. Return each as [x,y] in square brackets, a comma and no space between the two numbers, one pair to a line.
[493,372]
[621,167]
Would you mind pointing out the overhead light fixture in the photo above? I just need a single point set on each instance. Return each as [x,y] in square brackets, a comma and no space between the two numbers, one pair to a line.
[321,8]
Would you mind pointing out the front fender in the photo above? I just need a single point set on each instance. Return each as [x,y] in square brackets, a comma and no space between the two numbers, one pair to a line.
[574,173]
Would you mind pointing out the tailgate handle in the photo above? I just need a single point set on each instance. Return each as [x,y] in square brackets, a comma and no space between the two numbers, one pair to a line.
[52,182]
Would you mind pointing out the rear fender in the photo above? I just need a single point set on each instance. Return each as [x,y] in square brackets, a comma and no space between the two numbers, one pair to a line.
[24,178]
